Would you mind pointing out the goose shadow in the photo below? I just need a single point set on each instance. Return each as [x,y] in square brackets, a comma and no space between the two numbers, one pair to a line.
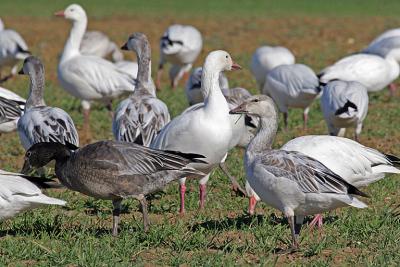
[246,220]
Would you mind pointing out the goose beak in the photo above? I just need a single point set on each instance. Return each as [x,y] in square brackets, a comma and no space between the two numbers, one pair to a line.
[241,109]
[27,168]
[125,47]
[59,14]
[236,66]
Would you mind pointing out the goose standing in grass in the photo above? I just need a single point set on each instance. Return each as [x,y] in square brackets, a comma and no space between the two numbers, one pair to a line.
[373,71]
[89,78]
[41,123]
[294,86]
[357,164]
[266,58]
[12,50]
[204,128]
[180,45]
[11,109]
[140,117]
[96,43]
[19,193]
[344,105]
[193,86]
[113,170]
[290,181]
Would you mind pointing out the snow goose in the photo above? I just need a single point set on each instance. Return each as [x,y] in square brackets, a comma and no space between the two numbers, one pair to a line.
[204,128]
[358,164]
[89,77]
[294,86]
[41,123]
[193,86]
[113,170]
[265,58]
[345,105]
[18,194]
[180,45]
[12,49]
[140,117]
[11,108]
[96,43]
[373,71]
[291,181]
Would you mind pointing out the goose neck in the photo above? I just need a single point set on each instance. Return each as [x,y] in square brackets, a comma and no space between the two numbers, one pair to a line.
[214,99]
[36,90]
[144,72]
[73,43]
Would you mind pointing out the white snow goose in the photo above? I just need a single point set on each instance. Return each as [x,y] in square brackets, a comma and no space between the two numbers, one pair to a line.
[140,117]
[41,123]
[180,45]
[290,181]
[96,43]
[89,78]
[294,86]
[204,128]
[357,164]
[266,58]
[12,50]
[344,105]
[19,193]
[373,71]
[11,108]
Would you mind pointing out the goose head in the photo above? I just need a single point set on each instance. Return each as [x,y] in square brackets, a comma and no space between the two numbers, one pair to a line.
[73,12]
[137,42]
[40,154]
[258,105]
[32,67]
[219,61]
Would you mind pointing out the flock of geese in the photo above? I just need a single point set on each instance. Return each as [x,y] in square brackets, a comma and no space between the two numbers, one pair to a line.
[309,175]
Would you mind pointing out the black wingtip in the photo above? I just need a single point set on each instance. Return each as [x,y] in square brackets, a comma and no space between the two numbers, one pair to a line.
[191,156]
[42,183]
[346,107]
[355,191]
[393,159]
[71,146]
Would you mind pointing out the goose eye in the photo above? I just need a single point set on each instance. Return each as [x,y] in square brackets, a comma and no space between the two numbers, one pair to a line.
[28,154]
[226,56]
[255,100]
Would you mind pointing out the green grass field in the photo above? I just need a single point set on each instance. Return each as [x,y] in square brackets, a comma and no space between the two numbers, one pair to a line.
[318,32]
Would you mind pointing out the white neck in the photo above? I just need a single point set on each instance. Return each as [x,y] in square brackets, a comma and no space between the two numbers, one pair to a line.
[213,97]
[73,43]
[394,66]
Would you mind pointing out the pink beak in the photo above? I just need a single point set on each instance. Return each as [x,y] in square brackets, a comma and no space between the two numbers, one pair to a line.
[236,66]
[59,13]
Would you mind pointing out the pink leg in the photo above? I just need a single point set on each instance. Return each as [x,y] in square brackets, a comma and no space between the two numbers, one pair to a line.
[252,205]
[182,189]
[305,120]
[316,221]
[202,188]
[392,88]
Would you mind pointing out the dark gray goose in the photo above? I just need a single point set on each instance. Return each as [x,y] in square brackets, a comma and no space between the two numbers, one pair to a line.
[41,123]
[142,115]
[113,170]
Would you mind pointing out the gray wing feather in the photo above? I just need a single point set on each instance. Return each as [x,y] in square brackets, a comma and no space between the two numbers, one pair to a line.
[9,110]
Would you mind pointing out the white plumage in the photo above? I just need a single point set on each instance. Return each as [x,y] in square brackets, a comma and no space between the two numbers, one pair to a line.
[265,58]
[17,194]
[12,49]
[96,43]
[293,86]
[344,105]
[180,45]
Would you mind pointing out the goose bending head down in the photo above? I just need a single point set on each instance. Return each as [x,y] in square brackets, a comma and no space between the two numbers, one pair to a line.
[89,78]
[140,117]
[113,170]
[204,128]
[290,181]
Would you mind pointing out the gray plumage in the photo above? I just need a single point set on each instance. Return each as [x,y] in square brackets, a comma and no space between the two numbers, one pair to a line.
[41,123]
[10,110]
[383,46]
[95,43]
[113,170]
[139,118]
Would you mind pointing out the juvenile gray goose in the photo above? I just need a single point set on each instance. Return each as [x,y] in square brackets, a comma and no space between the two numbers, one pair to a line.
[140,117]
[290,181]
[113,170]
[41,123]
